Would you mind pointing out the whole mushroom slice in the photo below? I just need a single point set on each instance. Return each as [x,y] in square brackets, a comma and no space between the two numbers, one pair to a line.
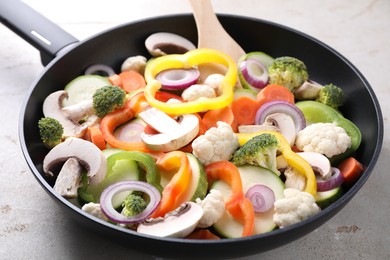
[178,223]
[52,107]
[162,43]
[285,125]
[85,152]
[319,162]
[172,134]
[69,179]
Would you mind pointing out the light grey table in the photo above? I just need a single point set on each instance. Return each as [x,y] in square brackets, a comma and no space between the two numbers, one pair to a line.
[32,226]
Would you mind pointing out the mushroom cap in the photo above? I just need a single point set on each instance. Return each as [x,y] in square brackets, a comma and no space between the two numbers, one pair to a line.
[52,108]
[85,152]
[319,162]
[178,223]
[162,43]
[285,125]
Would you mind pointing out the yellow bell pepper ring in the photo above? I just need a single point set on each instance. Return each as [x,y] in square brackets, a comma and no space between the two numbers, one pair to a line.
[185,61]
[293,159]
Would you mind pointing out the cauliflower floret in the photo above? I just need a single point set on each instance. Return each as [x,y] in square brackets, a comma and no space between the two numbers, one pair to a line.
[218,143]
[95,210]
[137,63]
[214,81]
[294,207]
[324,138]
[213,208]
[197,91]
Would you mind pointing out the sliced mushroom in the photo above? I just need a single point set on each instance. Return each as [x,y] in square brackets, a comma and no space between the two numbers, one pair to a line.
[285,125]
[163,43]
[178,223]
[86,153]
[308,90]
[69,179]
[52,108]
[79,111]
[172,134]
[294,179]
[319,162]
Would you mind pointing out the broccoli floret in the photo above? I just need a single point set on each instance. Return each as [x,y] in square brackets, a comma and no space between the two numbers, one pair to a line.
[331,95]
[133,205]
[288,72]
[260,150]
[51,131]
[107,99]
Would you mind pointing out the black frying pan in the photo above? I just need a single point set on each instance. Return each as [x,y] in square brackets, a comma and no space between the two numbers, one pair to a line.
[113,46]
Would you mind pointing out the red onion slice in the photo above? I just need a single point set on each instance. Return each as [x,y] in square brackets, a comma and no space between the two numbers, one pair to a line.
[130,131]
[178,79]
[279,106]
[335,180]
[254,73]
[99,69]
[116,188]
[262,197]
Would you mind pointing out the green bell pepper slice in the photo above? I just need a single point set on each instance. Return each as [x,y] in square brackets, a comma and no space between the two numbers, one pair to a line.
[146,161]
[316,112]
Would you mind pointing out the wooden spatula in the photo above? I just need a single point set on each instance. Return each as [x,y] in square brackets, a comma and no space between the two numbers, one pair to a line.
[211,34]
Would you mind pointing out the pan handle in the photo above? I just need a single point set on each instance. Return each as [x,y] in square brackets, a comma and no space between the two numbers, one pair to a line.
[37,30]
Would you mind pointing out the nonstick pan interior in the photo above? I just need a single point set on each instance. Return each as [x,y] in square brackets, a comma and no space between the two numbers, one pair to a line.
[113,46]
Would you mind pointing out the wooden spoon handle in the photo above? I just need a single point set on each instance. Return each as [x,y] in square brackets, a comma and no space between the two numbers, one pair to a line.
[211,34]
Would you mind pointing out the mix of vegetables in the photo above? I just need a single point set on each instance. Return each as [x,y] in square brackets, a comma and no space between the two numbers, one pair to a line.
[193,144]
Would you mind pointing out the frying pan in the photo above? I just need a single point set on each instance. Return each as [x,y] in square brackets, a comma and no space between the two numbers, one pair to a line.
[66,58]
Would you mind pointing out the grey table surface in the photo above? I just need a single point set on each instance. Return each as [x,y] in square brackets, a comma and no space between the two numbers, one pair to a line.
[32,226]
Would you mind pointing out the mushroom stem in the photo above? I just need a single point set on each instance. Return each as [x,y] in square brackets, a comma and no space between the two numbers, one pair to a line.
[69,179]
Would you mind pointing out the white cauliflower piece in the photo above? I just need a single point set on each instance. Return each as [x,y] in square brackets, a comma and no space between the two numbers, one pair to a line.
[197,91]
[294,179]
[95,210]
[218,143]
[137,63]
[213,208]
[323,138]
[214,81]
[294,207]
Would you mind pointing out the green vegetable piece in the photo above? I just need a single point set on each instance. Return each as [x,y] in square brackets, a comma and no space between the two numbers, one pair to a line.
[288,72]
[133,205]
[316,112]
[259,150]
[146,162]
[50,131]
[107,99]
[119,170]
[82,88]
[331,95]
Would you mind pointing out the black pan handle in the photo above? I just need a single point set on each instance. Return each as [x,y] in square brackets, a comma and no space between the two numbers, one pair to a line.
[33,27]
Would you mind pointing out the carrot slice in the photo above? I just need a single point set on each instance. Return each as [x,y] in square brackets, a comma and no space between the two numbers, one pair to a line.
[131,80]
[115,80]
[351,169]
[225,114]
[96,137]
[274,92]
[244,110]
